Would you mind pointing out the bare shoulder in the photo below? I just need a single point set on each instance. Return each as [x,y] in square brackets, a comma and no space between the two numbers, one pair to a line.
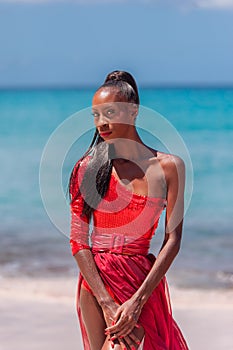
[171,164]
[169,160]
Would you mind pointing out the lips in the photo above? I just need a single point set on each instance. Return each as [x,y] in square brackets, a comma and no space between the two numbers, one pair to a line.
[105,134]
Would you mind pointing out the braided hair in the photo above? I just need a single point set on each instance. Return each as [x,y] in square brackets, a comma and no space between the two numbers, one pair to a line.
[100,151]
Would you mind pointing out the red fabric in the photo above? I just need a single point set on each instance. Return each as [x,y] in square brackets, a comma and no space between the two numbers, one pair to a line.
[124,274]
[79,233]
[120,213]
[123,225]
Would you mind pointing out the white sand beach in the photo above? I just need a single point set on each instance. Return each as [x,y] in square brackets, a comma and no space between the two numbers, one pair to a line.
[40,314]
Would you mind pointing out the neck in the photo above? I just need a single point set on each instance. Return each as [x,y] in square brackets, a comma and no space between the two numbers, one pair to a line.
[129,149]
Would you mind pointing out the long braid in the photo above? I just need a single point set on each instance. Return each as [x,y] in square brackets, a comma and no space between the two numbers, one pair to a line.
[100,151]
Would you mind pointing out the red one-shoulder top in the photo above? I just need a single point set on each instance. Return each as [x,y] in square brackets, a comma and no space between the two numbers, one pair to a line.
[123,222]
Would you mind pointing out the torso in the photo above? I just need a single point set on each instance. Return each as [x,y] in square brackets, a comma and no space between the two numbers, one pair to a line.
[147,177]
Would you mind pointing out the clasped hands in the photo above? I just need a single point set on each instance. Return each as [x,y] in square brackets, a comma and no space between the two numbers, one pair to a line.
[122,324]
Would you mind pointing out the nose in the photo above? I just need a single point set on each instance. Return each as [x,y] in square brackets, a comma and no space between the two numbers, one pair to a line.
[101,120]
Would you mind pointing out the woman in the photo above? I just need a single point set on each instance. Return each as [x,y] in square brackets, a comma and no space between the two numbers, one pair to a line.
[123,186]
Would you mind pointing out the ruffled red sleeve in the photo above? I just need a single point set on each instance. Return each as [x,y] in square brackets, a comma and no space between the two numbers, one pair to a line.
[79,230]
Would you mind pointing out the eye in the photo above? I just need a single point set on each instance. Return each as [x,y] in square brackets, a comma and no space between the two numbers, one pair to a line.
[110,112]
[95,114]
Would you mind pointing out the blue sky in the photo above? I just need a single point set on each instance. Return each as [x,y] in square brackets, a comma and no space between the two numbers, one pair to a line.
[62,43]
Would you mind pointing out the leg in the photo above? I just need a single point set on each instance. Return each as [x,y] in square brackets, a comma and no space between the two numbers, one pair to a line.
[95,325]
[93,319]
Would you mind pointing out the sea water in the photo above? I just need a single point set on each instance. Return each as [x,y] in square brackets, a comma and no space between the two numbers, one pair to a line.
[31,244]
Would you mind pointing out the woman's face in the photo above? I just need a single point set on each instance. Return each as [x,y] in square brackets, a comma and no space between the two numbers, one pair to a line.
[113,118]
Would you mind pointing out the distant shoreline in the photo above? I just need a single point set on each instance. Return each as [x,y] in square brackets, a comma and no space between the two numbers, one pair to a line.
[163,86]
[63,288]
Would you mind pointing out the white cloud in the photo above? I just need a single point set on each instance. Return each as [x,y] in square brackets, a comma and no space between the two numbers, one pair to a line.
[203,4]
[218,4]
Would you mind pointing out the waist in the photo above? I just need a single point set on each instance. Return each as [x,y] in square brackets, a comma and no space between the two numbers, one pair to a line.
[120,244]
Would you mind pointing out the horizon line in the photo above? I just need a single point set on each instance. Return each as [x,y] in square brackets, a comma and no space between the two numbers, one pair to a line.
[141,86]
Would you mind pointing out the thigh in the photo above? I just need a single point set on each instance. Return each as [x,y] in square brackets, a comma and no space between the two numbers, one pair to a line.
[93,319]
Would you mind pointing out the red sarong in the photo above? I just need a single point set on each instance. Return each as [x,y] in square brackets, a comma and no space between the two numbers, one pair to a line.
[122,276]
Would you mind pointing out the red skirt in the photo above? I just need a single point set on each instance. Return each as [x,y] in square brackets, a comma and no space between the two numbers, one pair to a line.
[122,276]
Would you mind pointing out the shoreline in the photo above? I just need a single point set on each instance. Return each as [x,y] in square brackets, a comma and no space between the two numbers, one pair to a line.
[40,313]
[64,288]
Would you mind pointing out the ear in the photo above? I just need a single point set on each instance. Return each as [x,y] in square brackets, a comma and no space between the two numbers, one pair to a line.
[133,109]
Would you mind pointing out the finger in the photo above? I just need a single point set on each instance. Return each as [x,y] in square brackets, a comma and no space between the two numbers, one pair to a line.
[110,329]
[124,331]
[113,337]
[117,326]
[117,314]
[130,343]
[122,344]
[112,343]
[134,338]
[123,326]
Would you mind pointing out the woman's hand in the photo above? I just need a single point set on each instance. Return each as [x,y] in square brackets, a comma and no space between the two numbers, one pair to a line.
[122,323]
[125,318]
[131,341]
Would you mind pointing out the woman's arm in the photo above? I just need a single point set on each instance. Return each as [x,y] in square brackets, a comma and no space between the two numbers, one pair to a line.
[128,313]
[79,241]
[175,177]
[81,251]
[87,266]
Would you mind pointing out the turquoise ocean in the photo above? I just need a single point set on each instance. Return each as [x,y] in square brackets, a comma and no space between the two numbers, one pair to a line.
[32,246]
